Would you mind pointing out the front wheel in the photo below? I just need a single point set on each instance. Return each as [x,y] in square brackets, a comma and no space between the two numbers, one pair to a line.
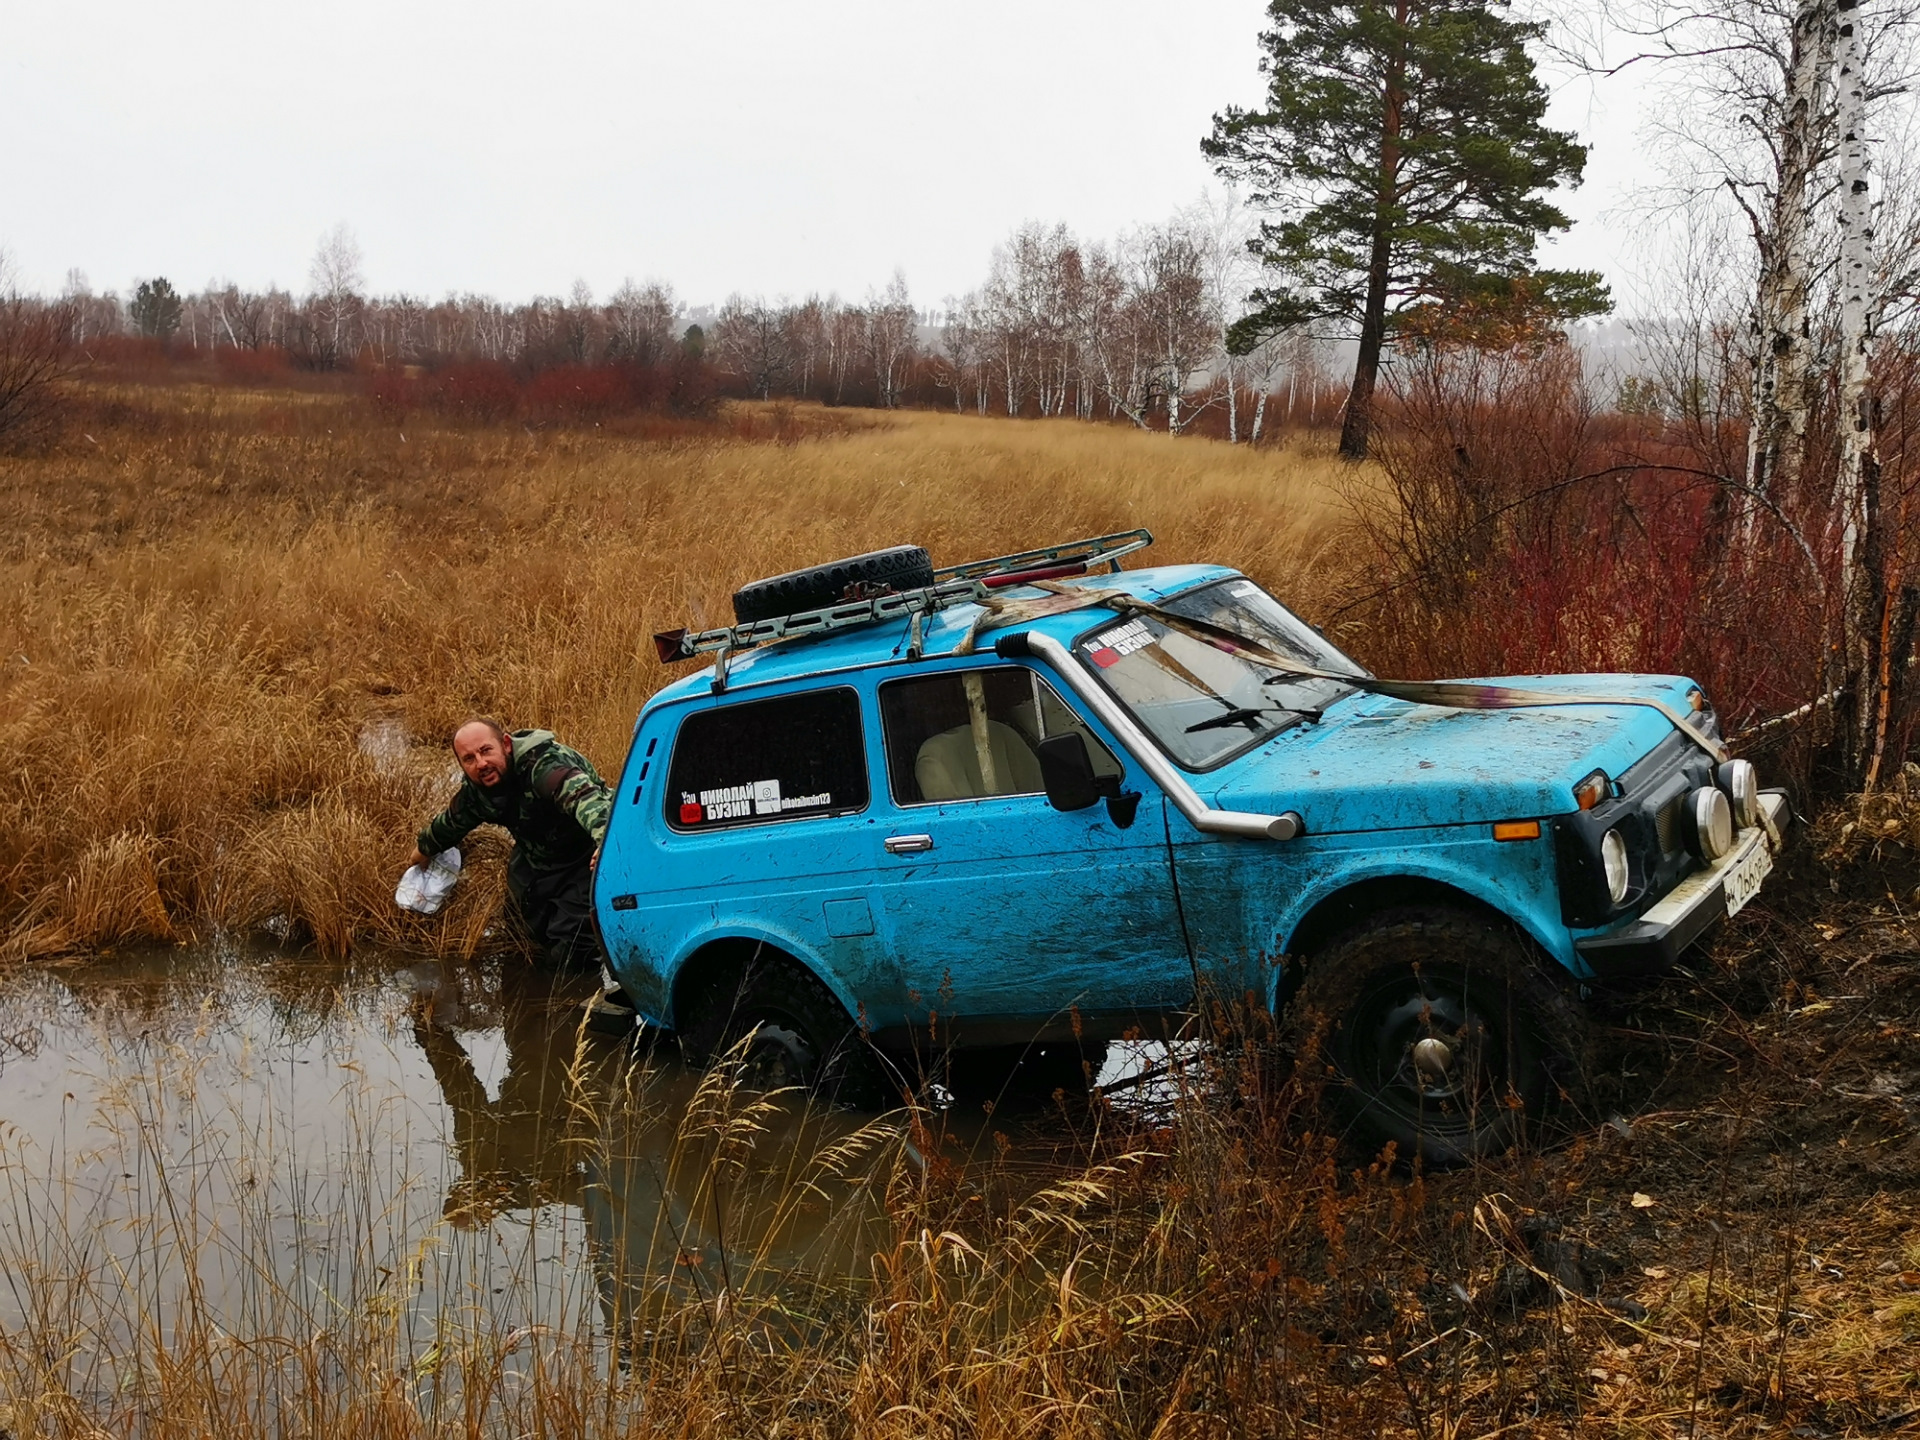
[1440,1033]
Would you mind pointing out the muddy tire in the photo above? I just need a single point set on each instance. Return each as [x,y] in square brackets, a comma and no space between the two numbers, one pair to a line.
[795,1030]
[902,567]
[1438,1031]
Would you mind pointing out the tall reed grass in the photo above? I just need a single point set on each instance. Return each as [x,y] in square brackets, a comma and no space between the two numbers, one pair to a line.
[242,623]
[251,1215]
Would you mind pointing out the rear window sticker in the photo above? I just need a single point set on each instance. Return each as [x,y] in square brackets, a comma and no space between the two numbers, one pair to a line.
[736,802]
[1114,645]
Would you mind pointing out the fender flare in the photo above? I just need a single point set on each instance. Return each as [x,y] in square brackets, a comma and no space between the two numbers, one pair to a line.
[744,932]
[1297,924]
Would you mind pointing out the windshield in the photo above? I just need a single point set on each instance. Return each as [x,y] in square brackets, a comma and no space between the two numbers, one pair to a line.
[1201,704]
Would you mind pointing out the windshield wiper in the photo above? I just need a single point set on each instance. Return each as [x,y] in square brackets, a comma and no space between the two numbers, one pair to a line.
[1246,714]
[1235,715]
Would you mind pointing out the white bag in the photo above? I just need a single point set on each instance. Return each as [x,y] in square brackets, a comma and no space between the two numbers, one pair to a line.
[424,888]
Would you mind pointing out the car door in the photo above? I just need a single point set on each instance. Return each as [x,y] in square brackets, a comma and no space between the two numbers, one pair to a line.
[998,910]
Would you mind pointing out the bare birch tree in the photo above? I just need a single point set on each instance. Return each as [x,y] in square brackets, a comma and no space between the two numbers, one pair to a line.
[642,321]
[336,280]
[1857,486]
[890,339]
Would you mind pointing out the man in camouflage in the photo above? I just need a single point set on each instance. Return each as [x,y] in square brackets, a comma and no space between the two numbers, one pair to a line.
[553,802]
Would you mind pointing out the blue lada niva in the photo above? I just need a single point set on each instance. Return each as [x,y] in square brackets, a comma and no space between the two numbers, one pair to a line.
[1034,804]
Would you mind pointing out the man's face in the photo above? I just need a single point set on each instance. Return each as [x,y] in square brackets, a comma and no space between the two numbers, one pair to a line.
[482,754]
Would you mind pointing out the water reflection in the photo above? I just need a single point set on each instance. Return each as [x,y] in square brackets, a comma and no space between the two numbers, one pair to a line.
[688,1185]
[283,1147]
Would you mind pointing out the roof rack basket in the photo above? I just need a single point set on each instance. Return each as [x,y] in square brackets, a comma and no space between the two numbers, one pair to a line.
[953,585]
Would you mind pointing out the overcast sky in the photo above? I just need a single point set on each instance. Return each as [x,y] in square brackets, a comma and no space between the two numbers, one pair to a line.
[753,145]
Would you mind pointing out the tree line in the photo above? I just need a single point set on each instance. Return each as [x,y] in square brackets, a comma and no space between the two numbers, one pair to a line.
[1133,330]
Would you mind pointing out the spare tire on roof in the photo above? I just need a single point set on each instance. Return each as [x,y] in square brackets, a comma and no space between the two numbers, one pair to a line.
[901,567]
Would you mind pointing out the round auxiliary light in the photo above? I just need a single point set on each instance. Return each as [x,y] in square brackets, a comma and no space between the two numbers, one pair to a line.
[1613,858]
[1742,784]
[1712,822]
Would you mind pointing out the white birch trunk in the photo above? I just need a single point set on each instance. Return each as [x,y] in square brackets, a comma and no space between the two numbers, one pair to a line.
[1781,333]
[1856,288]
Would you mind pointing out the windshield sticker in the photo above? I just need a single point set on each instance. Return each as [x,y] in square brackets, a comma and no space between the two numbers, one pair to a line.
[736,802]
[1119,642]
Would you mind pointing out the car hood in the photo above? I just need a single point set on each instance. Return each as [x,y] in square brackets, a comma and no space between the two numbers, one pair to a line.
[1373,763]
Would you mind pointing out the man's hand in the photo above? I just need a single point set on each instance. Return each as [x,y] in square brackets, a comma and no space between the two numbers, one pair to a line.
[418,859]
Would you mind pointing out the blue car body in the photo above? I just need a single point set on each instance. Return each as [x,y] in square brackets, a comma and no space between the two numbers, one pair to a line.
[1007,917]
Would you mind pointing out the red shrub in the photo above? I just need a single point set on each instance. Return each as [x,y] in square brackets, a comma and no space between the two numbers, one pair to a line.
[579,392]
[395,394]
[1527,533]
[478,390]
[251,367]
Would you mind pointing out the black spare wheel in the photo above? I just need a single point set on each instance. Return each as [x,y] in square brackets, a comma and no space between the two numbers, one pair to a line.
[1439,1031]
[901,567]
[786,1029]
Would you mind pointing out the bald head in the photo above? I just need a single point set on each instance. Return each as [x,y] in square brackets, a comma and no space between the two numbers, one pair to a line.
[484,750]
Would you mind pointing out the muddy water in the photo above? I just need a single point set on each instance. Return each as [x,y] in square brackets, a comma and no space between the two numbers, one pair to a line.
[272,1145]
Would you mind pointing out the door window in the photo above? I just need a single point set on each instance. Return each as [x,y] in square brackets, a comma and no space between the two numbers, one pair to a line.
[969,734]
[758,761]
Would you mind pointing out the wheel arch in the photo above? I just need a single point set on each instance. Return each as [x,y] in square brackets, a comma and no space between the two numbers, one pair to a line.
[716,957]
[1322,919]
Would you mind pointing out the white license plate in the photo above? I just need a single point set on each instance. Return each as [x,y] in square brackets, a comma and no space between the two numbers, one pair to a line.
[1743,880]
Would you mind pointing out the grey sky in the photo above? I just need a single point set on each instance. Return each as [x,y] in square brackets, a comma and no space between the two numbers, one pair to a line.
[510,149]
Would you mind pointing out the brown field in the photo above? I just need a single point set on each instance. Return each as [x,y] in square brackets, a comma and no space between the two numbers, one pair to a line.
[242,624]
[238,626]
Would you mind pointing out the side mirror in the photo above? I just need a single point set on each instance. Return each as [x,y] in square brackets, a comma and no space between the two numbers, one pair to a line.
[1067,771]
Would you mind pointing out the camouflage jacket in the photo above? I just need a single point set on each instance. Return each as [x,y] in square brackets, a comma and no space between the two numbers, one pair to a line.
[552,801]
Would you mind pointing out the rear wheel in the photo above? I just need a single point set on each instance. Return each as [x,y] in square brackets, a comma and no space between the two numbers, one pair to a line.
[1440,1033]
[794,1029]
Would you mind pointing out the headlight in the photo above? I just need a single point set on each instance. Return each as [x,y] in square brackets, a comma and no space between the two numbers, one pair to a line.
[1742,784]
[1712,823]
[1613,857]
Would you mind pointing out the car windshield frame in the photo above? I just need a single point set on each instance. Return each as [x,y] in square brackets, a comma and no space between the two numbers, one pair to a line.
[1281,630]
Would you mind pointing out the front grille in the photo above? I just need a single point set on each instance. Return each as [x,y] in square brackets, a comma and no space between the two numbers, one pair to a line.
[1666,824]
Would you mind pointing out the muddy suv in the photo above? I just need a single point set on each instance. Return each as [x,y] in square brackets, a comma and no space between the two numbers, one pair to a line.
[1034,804]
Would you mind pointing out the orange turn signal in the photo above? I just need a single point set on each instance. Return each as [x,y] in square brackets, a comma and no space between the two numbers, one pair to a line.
[1516,829]
[1592,790]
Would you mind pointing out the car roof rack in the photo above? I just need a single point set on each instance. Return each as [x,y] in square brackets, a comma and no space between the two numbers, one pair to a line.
[953,585]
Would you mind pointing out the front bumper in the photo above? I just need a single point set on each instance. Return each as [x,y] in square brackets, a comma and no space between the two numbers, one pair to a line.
[1651,944]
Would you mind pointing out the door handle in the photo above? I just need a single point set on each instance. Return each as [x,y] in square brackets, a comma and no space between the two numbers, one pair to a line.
[907,844]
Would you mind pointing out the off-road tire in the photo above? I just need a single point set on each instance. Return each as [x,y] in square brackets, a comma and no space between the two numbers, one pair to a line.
[802,1037]
[901,567]
[1004,1073]
[1515,1035]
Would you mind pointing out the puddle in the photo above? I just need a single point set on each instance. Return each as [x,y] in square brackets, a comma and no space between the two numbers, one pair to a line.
[280,1146]
[384,741]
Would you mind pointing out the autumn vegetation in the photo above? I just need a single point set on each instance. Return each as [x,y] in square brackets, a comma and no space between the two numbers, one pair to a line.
[263,549]
[244,619]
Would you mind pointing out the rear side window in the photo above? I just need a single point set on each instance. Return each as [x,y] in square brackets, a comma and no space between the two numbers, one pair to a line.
[790,758]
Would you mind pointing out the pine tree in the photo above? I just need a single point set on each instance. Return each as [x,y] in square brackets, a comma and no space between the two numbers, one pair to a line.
[155,308]
[1402,154]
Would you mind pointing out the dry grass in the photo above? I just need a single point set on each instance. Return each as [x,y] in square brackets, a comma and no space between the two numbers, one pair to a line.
[240,623]
[225,607]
